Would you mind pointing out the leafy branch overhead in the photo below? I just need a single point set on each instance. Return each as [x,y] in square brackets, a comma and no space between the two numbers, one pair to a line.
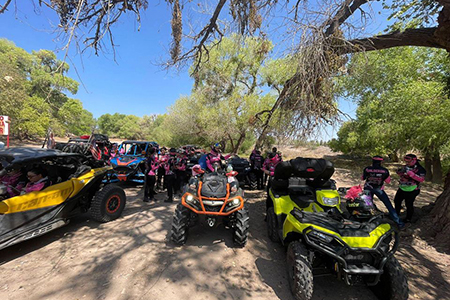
[321,31]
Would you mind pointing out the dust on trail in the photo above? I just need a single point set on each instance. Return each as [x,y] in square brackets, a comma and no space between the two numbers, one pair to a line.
[132,258]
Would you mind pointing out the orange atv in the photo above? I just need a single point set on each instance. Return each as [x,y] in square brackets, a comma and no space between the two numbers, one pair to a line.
[215,198]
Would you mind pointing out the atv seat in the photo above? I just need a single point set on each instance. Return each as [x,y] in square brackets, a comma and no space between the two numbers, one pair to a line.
[300,192]
[214,186]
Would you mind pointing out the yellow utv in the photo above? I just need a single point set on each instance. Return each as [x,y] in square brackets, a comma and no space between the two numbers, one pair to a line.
[304,214]
[74,187]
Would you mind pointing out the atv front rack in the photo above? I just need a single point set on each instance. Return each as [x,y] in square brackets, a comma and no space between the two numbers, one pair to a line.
[333,246]
[197,204]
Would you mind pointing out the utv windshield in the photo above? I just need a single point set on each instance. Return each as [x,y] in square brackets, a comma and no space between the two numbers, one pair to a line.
[133,149]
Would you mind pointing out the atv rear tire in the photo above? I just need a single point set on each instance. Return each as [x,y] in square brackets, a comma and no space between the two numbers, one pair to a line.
[180,224]
[108,203]
[300,274]
[240,230]
[253,181]
[272,228]
[393,284]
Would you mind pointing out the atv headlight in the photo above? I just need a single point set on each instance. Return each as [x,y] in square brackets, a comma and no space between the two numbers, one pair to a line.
[234,202]
[317,235]
[190,198]
[330,201]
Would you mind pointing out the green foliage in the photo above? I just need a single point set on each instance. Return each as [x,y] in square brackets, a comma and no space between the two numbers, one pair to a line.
[415,13]
[32,90]
[403,102]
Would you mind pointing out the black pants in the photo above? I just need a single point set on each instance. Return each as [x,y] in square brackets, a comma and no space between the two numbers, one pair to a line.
[161,173]
[409,198]
[180,180]
[149,188]
[169,180]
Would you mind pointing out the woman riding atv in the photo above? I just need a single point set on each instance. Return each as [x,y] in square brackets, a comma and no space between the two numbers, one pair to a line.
[207,161]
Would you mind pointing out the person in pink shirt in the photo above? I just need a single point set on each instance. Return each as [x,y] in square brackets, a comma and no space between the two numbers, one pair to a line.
[214,155]
[14,179]
[38,180]
[151,165]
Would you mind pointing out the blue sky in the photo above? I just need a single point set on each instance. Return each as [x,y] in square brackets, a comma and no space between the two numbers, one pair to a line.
[134,83]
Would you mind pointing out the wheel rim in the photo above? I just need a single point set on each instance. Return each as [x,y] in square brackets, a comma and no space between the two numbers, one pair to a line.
[113,204]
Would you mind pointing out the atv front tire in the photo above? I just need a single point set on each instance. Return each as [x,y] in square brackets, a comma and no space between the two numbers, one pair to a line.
[272,228]
[299,271]
[108,203]
[180,224]
[240,230]
[393,284]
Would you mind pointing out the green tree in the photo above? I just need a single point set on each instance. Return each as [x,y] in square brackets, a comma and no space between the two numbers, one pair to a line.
[229,90]
[403,105]
[32,93]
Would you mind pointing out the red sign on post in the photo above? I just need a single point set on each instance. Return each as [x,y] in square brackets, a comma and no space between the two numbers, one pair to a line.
[4,128]
[4,125]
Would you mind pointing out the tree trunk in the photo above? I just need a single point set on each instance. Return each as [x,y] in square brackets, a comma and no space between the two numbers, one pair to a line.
[231,141]
[441,216]
[239,142]
[428,164]
[394,156]
[437,168]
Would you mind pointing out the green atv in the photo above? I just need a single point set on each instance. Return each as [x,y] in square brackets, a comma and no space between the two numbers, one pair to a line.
[304,214]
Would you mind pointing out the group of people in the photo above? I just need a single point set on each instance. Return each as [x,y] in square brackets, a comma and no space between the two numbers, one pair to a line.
[412,174]
[19,182]
[168,170]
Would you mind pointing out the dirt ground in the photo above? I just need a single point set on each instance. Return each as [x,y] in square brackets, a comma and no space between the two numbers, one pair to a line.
[132,257]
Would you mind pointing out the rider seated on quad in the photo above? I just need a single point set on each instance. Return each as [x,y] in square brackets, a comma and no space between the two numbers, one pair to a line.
[38,180]
[197,173]
[214,156]
[14,180]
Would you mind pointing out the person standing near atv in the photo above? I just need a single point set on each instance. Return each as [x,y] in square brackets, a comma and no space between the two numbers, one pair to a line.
[411,175]
[161,171]
[269,167]
[180,164]
[375,177]
[151,165]
[256,164]
[169,176]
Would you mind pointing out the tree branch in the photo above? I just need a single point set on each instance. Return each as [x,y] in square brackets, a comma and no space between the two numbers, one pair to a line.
[5,6]
[422,37]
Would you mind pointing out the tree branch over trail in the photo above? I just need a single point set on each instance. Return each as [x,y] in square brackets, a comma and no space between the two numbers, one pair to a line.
[328,45]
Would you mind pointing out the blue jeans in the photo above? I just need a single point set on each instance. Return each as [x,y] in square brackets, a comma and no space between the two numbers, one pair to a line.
[385,199]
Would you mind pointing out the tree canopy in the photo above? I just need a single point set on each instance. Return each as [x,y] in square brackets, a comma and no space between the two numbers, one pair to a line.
[403,102]
[33,89]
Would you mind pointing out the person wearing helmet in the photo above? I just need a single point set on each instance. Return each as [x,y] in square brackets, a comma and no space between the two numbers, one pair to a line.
[151,165]
[214,156]
[411,175]
[375,176]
